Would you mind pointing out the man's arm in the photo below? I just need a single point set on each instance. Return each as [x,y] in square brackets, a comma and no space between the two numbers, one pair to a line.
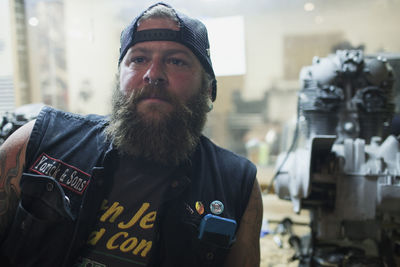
[12,163]
[245,251]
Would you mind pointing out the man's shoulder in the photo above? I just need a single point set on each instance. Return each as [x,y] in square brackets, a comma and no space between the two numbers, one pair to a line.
[56,113]
[62,134]
[59,126]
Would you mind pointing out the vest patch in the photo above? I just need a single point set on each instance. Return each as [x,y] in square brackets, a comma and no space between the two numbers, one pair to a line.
[68,176]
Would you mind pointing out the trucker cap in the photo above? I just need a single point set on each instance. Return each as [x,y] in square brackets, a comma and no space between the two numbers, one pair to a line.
[192,34]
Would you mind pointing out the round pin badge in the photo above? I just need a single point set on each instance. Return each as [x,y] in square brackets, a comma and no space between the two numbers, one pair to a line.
[216,207]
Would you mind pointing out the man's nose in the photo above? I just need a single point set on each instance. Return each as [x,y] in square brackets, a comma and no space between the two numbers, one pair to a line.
[155,74]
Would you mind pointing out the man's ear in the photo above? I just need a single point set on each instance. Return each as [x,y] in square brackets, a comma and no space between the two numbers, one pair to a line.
[209,90]
[213,89]
[210,97]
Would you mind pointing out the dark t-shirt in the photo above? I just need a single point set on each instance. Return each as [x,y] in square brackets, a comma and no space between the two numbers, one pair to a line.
[125,230]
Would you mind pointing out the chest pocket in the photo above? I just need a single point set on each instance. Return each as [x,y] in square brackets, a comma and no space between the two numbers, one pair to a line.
[42,226]
[180,244]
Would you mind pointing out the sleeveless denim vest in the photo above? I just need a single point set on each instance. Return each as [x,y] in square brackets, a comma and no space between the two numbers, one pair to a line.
[69,168]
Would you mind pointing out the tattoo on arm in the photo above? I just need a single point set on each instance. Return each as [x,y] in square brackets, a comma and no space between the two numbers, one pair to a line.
[11,168]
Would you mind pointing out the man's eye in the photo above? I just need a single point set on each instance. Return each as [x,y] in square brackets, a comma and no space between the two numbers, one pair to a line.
[137,60]
[176,61]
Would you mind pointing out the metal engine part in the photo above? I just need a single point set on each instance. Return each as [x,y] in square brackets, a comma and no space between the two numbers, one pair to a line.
[11,121]
[347,170]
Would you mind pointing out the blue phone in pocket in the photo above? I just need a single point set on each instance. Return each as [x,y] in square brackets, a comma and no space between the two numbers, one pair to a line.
[217,230]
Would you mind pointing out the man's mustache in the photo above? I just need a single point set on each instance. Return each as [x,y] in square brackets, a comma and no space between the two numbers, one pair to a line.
[151,91]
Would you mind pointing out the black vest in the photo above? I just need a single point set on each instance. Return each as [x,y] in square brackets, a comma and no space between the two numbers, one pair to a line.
[69,167]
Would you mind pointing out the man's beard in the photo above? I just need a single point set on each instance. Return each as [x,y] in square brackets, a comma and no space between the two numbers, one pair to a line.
[170,138]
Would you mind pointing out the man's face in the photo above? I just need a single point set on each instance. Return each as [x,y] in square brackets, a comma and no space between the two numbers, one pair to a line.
[159,122]
[172,66]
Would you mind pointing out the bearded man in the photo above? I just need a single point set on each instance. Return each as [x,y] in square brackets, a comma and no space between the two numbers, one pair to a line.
[143,187]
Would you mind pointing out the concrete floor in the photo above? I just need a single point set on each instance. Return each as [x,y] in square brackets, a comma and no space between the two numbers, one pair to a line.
[276,210]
